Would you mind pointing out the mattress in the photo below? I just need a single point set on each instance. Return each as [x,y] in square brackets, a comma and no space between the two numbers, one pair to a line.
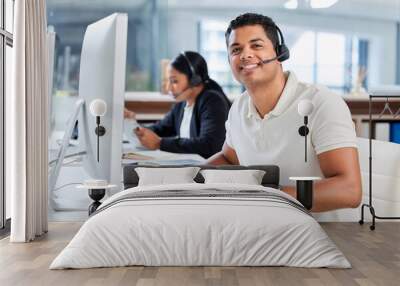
[201,225]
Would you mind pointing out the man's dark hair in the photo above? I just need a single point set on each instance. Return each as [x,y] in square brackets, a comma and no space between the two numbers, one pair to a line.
[250,19]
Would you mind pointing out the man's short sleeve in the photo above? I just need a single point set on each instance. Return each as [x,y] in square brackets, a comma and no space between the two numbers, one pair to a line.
[228,124]
[228,136]
[332,126]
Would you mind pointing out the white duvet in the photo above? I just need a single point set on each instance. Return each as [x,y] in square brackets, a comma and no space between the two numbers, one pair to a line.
[200,231]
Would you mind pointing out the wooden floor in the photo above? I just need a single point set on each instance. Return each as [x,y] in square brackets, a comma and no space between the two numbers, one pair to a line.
[374,255]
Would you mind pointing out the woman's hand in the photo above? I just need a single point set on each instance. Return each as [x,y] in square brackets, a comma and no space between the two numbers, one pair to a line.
[129,114]
[148,138]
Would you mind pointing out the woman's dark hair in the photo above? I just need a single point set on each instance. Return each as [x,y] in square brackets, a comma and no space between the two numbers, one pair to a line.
[187,61]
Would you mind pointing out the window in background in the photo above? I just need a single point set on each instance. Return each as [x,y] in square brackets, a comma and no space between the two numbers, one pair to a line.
[330,59]
[146,32]
[302,57]
[213,49]
[6,43]
[147,35]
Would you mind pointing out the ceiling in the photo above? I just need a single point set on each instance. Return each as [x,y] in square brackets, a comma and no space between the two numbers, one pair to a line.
[96,4]
[377,9]
[381,9]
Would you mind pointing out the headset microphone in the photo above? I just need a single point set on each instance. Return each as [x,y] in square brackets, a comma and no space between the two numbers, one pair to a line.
[267,61]
[264,62]
[175,95]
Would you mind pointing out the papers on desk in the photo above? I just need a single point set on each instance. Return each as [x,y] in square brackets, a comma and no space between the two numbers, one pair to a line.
[157,158]
[170,162]
[129,135]
[135,156]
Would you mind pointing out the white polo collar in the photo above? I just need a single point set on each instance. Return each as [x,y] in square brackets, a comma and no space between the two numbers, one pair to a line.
[286,98]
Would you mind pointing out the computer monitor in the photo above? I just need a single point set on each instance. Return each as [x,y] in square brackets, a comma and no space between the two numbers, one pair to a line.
[102,76]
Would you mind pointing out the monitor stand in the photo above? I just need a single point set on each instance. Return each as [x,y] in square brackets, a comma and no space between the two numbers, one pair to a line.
[55,172]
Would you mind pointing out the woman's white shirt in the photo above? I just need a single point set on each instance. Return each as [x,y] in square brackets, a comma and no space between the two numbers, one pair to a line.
[184,131]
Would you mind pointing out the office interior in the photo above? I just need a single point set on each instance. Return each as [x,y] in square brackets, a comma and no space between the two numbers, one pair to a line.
[338,46]
[350,46]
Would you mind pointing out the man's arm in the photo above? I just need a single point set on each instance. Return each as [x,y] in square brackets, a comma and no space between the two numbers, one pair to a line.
[341,187]
[225,157]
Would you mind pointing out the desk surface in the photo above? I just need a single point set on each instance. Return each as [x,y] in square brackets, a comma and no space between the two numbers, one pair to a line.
[151,96]
[149,117]
[148,96]
[152,106]
[153,157]
[365,98]
[157,157]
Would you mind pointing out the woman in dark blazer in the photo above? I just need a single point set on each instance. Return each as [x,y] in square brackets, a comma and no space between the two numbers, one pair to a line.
[196,123]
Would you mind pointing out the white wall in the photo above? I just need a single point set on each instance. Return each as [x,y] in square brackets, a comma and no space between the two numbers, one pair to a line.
[183,33]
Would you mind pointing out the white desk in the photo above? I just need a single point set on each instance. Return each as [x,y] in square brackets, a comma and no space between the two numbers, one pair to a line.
[152,106]
[67,197]
[133,146]
[158,157]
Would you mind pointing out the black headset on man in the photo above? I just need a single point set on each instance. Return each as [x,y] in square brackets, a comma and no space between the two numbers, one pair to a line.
[282,51]
[282,54]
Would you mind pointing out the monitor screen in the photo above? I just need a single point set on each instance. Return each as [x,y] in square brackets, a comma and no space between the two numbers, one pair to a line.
[102,76]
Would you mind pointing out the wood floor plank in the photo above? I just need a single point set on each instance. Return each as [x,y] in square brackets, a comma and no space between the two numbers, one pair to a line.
[212,272]
[374,255]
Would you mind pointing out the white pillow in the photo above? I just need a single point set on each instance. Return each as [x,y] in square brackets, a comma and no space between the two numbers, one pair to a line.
[165,176]
[248,177]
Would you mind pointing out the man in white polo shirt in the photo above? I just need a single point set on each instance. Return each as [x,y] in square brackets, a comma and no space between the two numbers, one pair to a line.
[263,123]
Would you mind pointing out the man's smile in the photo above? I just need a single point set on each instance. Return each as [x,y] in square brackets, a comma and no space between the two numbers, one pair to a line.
[248,66]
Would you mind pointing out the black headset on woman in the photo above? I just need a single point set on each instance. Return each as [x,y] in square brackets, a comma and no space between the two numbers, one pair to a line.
[197,72]
[194,78]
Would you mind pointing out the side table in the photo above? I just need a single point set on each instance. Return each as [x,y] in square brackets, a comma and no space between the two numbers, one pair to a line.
[304,190]
[96,192]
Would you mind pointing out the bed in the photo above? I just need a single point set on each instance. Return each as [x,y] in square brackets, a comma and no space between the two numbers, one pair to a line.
[198,224]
